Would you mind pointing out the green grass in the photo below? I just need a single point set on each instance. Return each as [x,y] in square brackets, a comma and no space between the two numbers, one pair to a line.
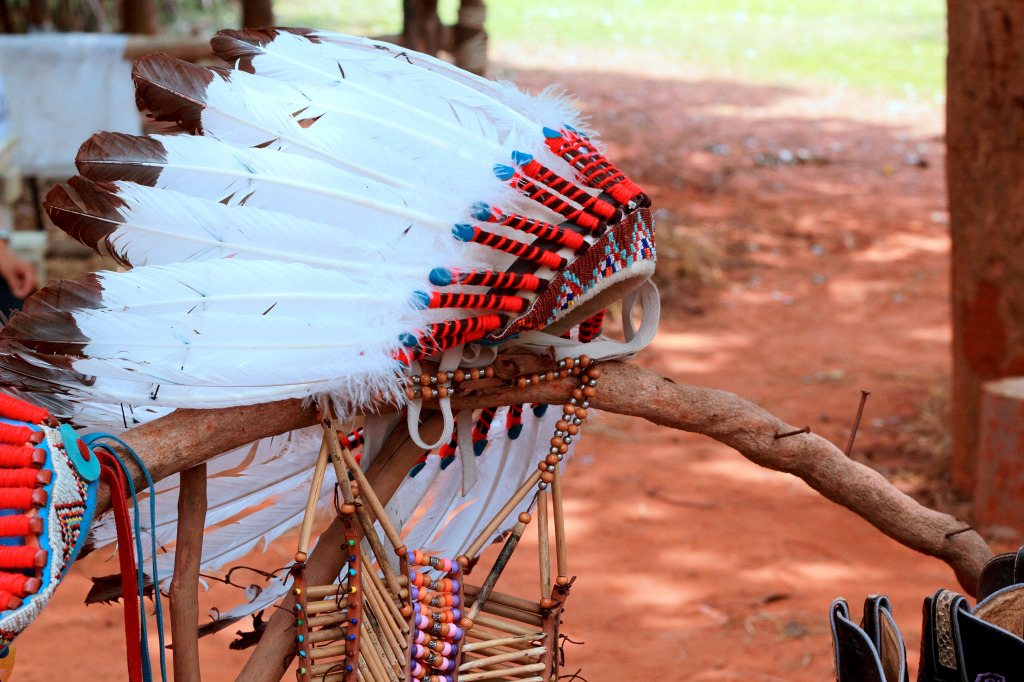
[889,46]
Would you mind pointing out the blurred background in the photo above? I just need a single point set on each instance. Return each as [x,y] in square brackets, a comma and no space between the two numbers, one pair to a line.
[794,151]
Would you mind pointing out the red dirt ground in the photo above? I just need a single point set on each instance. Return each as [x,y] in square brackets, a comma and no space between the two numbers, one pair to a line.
[822,277]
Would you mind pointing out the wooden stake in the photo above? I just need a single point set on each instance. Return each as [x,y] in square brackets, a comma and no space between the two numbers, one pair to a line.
[471,591]
[504,672]
[499,565]
[394,613]
[306,530]
[536,652]
[556,500]
[504,626]
[366,490]
[484,645]
[544,545]
[393,633]
[184,592]
[517,497]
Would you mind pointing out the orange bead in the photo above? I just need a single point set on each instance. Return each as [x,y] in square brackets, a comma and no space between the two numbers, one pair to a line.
[547,603]
[547,477]
[442,377]
[466,623]
[561,425]
[584,360]
[556,441]
[462,560]
[563,449]
[406,611]
[424,380]
[569,362]
[534,379]
[551,459]
[521,382]
[548,376]
[459,376]
[581,413]
[589,391]
[562,581]
[442,392]
[348,509]
[524,518]
[300,557]
[543,466]
[410,394]
[569,409]
[594,372]
[401,551]
[577,394]
[489,372]
[474,374]
[573,429]
[576,370]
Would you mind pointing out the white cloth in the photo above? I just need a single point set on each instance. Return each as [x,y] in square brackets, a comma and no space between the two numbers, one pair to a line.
[60,89]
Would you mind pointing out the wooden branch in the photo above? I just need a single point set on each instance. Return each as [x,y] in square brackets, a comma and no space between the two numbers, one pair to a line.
[188,553]
[187,437]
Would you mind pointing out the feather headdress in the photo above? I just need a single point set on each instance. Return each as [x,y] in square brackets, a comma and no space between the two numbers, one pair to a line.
[336,210]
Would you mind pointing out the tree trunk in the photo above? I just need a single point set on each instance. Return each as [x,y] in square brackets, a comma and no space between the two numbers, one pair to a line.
[421,29]
[140,16]
[985,172]
[257,13]
[471,38]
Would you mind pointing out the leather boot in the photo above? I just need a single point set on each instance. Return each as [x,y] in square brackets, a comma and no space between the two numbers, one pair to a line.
[872,652]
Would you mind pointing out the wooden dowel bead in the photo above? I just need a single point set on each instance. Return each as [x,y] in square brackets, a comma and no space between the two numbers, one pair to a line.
[547,603]
[348,509]
[300,557]
[562,581]
[524,517]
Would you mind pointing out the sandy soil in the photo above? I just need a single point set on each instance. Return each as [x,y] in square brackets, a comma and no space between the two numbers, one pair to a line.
[816,219]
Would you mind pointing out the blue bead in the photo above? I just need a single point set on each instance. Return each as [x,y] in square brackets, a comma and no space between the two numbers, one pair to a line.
[551,134]
[463,232]
[521,158]
[416,469]
[539,410]
[445,461]
[408,340]
[514,432]
[420,300]
[355,621]
[351,571]
[440,277]
[503,172]
[352,557]
[478,447]
[348,668]
[480,211]
[351,638]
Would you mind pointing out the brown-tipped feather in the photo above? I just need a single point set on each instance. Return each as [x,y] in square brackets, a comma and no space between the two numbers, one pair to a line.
[172,90]
[51,336]
[90,223]
[85,292]
[240,46]
[107,157]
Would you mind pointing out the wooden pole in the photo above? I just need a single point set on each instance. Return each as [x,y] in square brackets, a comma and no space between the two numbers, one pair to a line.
[560,550]
[257,13]
[544,545]
[499,566]
[516,498]
[315,486]
[184,591]
[470,38]
[421,28]
[141,16]
[187,437]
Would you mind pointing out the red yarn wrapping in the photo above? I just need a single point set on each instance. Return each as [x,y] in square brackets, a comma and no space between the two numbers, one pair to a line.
[18,478]
[14,456]
[13,583]
[14,435]
[19,410]
[18,557]
[15,498]
[13,527]
[5,600]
